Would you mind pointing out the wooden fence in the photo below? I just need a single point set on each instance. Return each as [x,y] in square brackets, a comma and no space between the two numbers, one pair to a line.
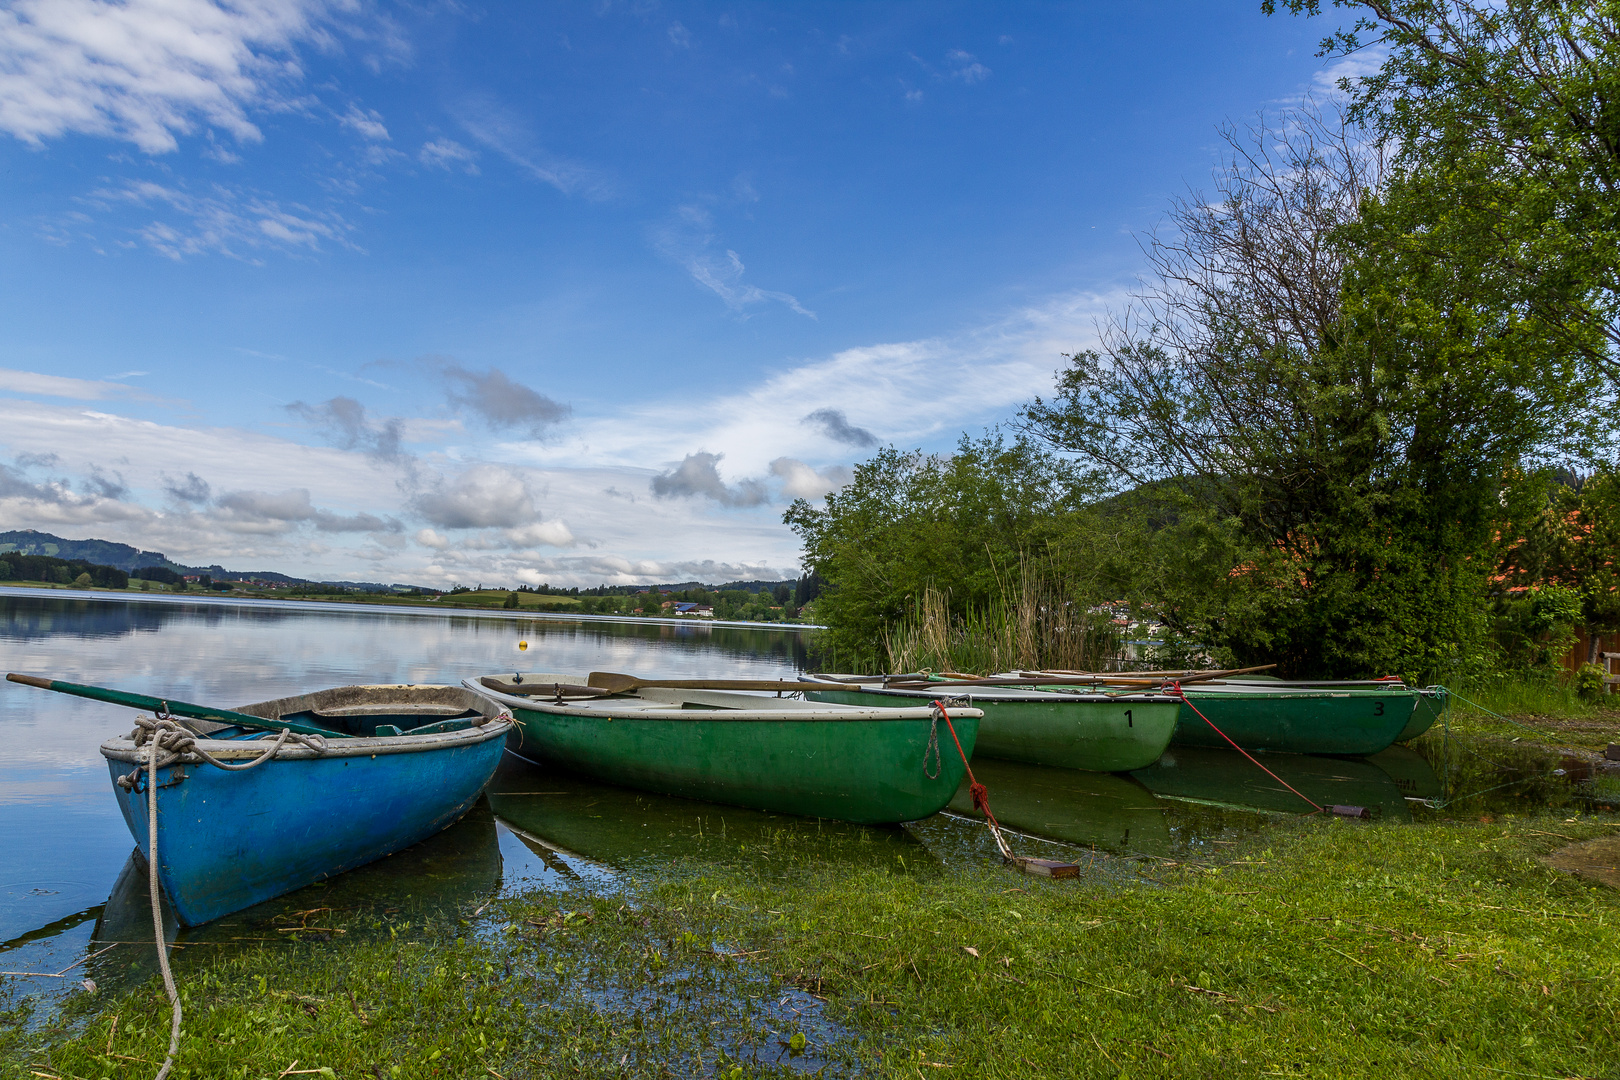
[1608,654]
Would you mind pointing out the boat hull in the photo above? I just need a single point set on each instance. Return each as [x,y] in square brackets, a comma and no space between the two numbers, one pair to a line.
[1431,703]
[229,840]
[1346,723]
[1106,735]
[870,772]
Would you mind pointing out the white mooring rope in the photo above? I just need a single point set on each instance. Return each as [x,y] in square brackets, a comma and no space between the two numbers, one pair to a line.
[164,735]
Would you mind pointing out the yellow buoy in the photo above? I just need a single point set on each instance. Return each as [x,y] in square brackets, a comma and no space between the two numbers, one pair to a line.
[523,646]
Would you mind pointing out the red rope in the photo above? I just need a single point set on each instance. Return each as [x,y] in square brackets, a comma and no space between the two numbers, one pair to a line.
[1174,690]
[981,795]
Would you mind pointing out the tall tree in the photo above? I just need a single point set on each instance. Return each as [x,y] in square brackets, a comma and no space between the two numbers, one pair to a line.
[1337,409]
[958,523]
[1504,118]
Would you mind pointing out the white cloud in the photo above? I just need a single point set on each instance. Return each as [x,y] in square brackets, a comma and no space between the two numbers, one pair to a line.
[58,386]
[227,222]
[965,66]
[448,154]
[367,123]
[917,393]
[800,481]
[430,539]
[483,496]
[498,128]
[541,534]
[688,239]
[145,71]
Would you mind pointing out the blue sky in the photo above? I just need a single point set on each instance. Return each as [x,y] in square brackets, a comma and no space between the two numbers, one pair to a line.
[576,293]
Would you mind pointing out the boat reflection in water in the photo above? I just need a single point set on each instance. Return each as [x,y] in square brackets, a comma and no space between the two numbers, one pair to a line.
[1411,772]
[1103,811]
[565,818]
[1225,778]
[1191,797]
[450,870]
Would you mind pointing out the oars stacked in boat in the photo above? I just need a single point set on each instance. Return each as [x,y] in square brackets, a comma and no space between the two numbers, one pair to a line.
[173,708]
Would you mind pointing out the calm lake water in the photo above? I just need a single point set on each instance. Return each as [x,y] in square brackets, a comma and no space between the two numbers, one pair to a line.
[66,878]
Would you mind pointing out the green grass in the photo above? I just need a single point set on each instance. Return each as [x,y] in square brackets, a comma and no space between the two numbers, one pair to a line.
[1323,949]
[1544,710]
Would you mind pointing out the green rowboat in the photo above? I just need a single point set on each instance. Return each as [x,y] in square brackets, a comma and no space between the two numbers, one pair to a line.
[1296,720]
[865,765]
[1092,731]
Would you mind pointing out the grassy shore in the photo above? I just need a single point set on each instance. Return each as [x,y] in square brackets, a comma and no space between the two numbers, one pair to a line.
[1538,711]
[1323,949]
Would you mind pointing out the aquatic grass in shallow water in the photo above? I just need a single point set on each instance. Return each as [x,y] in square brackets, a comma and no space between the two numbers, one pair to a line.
[1322,949]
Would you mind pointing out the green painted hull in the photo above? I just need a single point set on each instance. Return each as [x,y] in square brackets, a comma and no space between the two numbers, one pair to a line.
[1328,722]
[1108,735]
[1095,810]
[870,772]
[1430,705]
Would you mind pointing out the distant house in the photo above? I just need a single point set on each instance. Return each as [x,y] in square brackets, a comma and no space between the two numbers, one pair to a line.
[701,610]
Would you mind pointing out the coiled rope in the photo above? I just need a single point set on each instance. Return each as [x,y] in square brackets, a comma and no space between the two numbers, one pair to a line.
[165,738]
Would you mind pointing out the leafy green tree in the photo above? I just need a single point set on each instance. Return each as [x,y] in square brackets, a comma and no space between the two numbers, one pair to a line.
[959,523]
[1323,417]
[1504,121]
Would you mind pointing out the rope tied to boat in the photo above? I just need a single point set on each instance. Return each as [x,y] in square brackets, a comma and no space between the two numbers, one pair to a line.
[167,741]
[981,803]
[1173,688]
[170,741]
[154,894]
[933,745]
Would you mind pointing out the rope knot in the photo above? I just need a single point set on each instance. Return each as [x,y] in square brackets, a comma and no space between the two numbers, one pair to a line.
[981,797]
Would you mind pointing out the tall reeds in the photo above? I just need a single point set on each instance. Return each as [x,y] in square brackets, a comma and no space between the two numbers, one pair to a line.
[1038,622]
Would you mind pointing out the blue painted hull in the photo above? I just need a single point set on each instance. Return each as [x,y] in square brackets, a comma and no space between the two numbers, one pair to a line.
[229,840]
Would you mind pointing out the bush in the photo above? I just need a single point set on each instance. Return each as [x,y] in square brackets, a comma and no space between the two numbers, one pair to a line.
[1589,681]
[82,581]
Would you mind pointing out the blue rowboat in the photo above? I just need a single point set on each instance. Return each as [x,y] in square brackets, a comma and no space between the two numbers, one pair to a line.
[400,764]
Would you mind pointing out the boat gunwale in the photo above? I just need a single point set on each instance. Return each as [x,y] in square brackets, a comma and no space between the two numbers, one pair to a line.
[123,748]
[1000,695]
[811,712]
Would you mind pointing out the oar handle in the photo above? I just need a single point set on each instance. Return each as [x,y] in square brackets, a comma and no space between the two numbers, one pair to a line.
[176,708]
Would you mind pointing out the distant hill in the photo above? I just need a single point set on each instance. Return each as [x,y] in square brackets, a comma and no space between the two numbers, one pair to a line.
[122,556]
[126,558]
[101,552]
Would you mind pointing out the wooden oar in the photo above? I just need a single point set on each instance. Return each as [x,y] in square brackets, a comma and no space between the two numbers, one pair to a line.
[177,708]
[551,689]
[1103,678]
[622,684]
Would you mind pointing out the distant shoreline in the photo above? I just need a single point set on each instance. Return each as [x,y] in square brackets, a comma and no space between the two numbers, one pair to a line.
[44,590]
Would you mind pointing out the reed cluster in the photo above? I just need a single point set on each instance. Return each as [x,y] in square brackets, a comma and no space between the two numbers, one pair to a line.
[1038,622]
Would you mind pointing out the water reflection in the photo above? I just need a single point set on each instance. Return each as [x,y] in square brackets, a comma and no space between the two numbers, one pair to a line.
[28,616]
[559,815]
[1226,778]
[66,841]
[1091,810]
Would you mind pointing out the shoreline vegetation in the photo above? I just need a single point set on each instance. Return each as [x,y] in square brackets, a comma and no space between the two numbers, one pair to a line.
[494,601]
[1321,949]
